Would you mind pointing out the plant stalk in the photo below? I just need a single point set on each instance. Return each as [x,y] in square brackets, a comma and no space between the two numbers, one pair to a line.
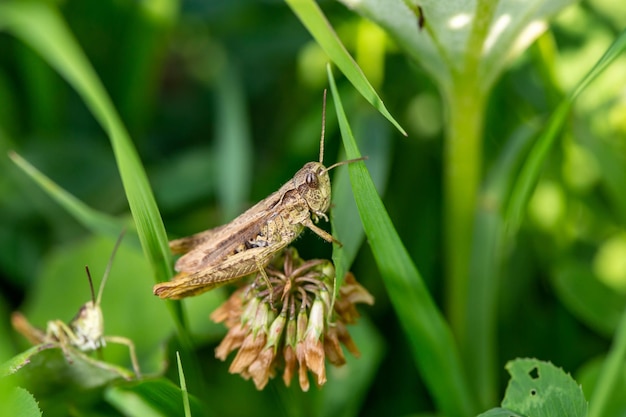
[462,173]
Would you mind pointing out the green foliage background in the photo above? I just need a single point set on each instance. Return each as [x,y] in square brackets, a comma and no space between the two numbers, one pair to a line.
[507,195]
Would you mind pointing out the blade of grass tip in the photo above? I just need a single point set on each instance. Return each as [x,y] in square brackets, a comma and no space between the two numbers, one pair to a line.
[183,386]
[318,26]
[97,222]
[430,338]
[531,170]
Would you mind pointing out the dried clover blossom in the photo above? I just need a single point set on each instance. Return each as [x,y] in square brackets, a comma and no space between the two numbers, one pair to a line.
[288,325]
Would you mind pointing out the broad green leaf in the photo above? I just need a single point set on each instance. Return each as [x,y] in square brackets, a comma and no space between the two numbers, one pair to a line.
[499,412]
[19,402]
[540,389]
[62,288]
[431,340]
[454,42]
[46,369]
[14,364]
[316,23]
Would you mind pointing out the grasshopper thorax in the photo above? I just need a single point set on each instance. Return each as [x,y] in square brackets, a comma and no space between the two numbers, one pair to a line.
[88,326]
[313,185]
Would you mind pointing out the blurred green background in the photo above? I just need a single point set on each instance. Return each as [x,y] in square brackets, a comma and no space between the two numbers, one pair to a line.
[223,99]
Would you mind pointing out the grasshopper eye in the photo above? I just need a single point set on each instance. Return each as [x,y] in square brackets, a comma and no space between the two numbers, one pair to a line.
[311,179]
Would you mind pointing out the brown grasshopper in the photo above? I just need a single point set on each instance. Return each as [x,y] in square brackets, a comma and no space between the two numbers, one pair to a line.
[248,243]
[86,330]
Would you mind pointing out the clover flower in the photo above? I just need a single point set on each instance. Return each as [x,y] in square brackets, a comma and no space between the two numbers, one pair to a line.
[289,321]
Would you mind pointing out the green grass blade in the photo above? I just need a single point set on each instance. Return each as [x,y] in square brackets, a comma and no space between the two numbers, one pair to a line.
[430,338]
[375,138]
[610,373]
[316,23]
[183,387]
[531,170]
[97,222]
[42,28]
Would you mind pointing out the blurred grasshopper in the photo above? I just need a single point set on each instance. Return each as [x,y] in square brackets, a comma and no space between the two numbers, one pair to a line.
[248,243]
[86,330]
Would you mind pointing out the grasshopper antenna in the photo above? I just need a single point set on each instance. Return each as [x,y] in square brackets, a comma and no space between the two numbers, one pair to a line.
[349,161]
[323,129]
[107,270]
[93,294]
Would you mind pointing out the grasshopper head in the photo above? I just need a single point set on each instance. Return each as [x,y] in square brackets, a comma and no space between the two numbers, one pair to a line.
[313,184]
[88,326]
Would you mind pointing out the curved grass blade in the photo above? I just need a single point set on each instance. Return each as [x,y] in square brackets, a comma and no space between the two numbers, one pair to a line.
[430,337]
[529,175]
[97,222]
[41,27]
[316,23]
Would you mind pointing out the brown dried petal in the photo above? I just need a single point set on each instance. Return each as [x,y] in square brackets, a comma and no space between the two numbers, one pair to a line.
[354,292]
[332,348]
[346,311]
[290,364]
[261,369]
[302,369]
[346,339]
[250,349]
[233,340]
[314,355]
[230,311]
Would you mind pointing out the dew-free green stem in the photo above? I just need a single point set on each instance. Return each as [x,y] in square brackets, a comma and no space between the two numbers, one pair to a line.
[462,173]
[466,101]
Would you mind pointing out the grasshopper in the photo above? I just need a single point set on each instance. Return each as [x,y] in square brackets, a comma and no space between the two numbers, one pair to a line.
[248,243]
[86,330]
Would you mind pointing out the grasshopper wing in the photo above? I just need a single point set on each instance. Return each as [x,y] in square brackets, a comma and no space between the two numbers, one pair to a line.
[185,244]
[215,245]
[186,284]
